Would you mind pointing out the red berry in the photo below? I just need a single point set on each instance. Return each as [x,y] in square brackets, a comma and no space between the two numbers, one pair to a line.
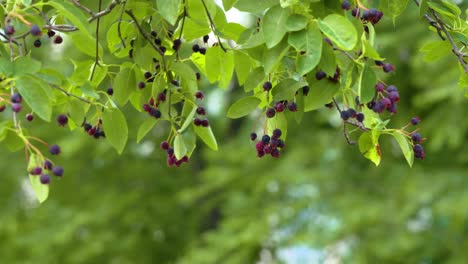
[29,117]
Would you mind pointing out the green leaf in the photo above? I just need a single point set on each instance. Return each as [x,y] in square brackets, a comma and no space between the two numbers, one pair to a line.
[194,29]
[286,3]
[340,31]
[26,65]
[300,107]
[274,25]
[6,67]
[85,43]
[328,60]
[367,83]
[321,93]
[435,50]
[207,136]
[393,8]
[308,41]
[169,10]
[72,13]
[115,127]
[124,85]
[369,147]
[405,147]
[296,22]
[254,79]
[452,7]
[188,119]
[34,94]
[40,190]
[272,57]
[243,107]
[286,89]
[145,128]
[254,6]
[228,4]
[243,65]
[278,121]
[179,147]
[368,50]
[219,66]
[183,70]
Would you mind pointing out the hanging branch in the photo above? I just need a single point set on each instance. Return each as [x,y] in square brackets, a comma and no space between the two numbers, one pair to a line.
[100,13]
[212,25]
[69,94]
[96,58]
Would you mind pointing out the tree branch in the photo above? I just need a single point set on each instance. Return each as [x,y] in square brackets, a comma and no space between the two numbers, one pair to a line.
[212,25]
[99,14]
[69,94]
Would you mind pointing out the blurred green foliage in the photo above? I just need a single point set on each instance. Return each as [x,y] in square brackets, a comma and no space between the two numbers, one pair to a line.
[230,207]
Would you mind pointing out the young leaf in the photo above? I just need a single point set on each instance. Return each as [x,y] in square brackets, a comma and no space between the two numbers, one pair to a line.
[34,94]
[124,85]
[274,25]
[219,65]
[340,31]
[321,93]
[243,107]
[328,60]
[405,147]
[367,84]
[273,56]
[40,190]
[296,22]
[146,127]
[370,148]
[286,89]
[243,65]
[169,9]
[207,136]
[179,147]
[278,121]
[115,127]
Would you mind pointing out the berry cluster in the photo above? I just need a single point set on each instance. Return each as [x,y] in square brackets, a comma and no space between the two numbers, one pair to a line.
[282,105]
[389,98]
[94,131]
[45,171]
[386,67]
[201,112]
[171,158]
[197,48]
[371,15]
[417,139]
[269,145]
[351,113]
[319,75]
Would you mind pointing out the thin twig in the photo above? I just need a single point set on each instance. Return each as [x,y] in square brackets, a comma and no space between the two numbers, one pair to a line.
[82,7]
[96,58]
[99,14]
[12,91]
[212,25]
[69,94]
[119,32]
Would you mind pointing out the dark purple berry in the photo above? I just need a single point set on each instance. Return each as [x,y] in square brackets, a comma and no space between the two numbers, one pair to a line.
[199,95]
[162,97]
[2,108]
[392,108]
[148,75]
[9,30]
[345,115]
[57,171]
[260,145]
[292,106]
[355,12]
[352,112]
[380,87]
[62,120]
[162,49]
[267,149]
[92,131]
[197,121]
[415,120]
[277,133]
[416,137]
[360,117]
[394,96]
[201,110]
[29,117]
[329,105]
[320,75]
[260,153]
[170,151]
[280,143]
[279,107]
[205,38]
[270,112]
[35,31]
[154,112]
[345,5]
[387,67]
[16,98]
[154,34]
[45,179]
[176,44]
[379,63]
[265,139]
[58,40]
[50,33]
[419,151]
[87,127]
[198,76]
[110,91]
[164,145]
[203,51]
[36,171]
[175,83]
[16,107]
[392,88]
[253,136]
[205,123]
[146,108]
[196,48]
[141,85]
[37,43]
[378,107]
[54,149]
[267,86]
[386,102]
[275,153]
[157,41]
[47,165]
[305,90]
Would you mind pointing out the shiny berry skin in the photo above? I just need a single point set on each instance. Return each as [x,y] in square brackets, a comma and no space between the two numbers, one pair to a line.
[57,171]
[16,98]
[201,111]
[320,75]
[253,136]
[170,151]
[386,102]
[157,41]
[54,149]
[9,30]
[266,139]
[199,95]
[45,179]
[415,120]
[292,106]
[416,137]
[16,107]
[270,112]
[276,134]
[29,117]
[36,171]
[280,107]
[154,34]
[35,30]
[360,117]
[37,43]
[164,145]
[352,112]
[110,91]
[62,120]
[387,67]
[58,40]
[378,107]
[267,86]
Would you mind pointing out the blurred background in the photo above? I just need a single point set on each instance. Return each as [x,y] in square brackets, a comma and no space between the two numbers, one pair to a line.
[320,202]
